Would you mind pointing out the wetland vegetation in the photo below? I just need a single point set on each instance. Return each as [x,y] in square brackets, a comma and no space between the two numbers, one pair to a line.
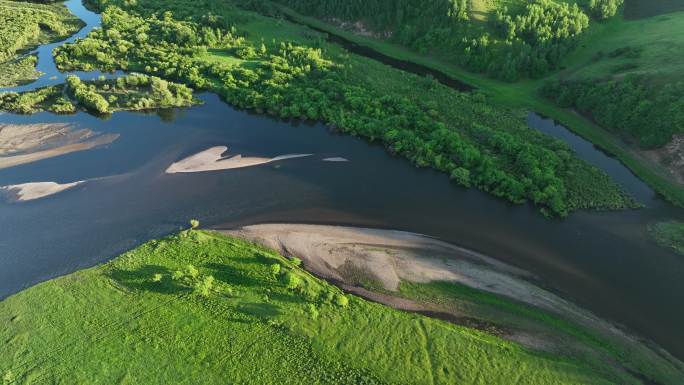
[129,92]
[636,50]
[23,26]
[279,68]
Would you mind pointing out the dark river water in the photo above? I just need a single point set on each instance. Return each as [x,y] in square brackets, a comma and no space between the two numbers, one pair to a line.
[602,261]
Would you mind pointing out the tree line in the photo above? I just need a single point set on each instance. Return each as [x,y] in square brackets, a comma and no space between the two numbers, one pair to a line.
[527,40]
[291,80]
[637,107]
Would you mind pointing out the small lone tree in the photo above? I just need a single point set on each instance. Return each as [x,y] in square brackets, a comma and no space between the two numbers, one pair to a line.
[275,269]
[203,286]
[194,223]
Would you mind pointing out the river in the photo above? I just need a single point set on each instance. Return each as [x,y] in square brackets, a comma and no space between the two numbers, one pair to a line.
[602,261]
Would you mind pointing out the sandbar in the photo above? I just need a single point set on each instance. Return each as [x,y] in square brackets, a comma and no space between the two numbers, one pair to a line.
[212,159]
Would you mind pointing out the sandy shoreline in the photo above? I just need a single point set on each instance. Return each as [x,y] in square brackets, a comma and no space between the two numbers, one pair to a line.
[36,190]
[26,143]
[392,256]
[212,159]
[342,254]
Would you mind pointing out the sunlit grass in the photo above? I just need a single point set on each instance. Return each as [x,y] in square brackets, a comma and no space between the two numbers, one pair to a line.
[117,324]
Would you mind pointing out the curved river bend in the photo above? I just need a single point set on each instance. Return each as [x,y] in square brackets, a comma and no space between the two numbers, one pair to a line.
[602,261]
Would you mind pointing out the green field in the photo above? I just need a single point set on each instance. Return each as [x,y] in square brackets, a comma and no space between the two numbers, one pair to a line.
[18,71]
[149,318]
[636,9]
[23,26]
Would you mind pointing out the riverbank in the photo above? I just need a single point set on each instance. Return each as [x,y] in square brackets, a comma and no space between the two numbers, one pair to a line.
[416,273]
[24,26]
[477,144]
[522,94]
[160,306]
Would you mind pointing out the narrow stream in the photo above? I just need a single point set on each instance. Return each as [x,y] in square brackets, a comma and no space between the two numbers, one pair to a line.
[603,261]
[46,65]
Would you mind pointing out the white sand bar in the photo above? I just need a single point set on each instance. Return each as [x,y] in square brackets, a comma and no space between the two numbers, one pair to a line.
[26,143]
[212,160]
[36,190]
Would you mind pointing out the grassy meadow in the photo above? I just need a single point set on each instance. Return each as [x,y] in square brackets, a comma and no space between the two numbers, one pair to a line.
[199,307]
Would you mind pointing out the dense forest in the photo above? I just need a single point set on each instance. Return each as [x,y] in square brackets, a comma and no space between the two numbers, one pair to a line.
[526,40]
[26,24]
[637,107]
[129,92]
[296,81]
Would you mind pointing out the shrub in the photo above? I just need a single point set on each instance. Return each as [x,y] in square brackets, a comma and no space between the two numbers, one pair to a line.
[312,310]
[157,277]
[296,261]
[203,286]
[341,300]
[194,223]
[275,269]
[291,280]
[604,9]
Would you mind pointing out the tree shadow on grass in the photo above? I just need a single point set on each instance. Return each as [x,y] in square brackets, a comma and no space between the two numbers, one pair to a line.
[233,276]
[259,309]
[254,260]
[142,279]
[289,297]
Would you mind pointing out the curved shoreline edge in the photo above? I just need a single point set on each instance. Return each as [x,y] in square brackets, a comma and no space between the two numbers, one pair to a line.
[391,257]
[578,337]
[515,95]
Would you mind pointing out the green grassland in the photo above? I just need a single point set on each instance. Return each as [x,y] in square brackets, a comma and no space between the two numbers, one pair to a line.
[504,314]
[23,26]
[199,307]
[637,9]
[656,45]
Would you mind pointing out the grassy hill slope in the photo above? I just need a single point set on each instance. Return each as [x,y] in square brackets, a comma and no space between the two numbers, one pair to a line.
[151,317]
